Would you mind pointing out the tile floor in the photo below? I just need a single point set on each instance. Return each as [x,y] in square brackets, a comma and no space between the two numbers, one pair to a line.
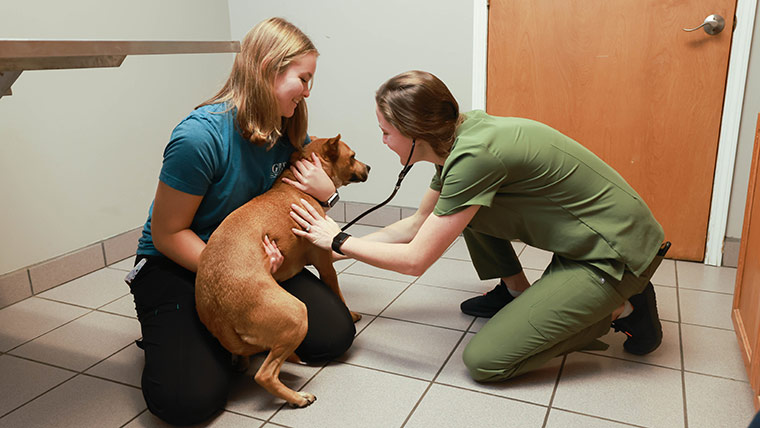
[68,359]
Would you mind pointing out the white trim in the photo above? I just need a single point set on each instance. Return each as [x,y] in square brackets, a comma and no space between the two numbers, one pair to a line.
[736,81]
[479,53]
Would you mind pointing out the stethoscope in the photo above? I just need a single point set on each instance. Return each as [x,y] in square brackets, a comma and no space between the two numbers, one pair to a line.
[401,176]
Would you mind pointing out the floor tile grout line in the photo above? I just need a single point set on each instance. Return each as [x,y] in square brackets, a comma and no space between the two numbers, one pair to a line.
[575,412]
[416,405]
[348,266]
[374,317]
[714,376]
[109,380]
[453,349]
[663,285]
[680,345]
[50,299]
[74,373]
[90,310]
[98,309]
[722,293]
[396,298]
[613,357]
[277,424]
[554,391]
[363,275]
[131,343]
[375,369]
[683,370]
[422,323]
[491,394]
[103,311]
[707,326]
[441,287]
[35,397]
[133,418]
[432,381]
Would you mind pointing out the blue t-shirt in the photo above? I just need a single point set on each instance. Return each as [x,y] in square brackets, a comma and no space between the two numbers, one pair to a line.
[207,156]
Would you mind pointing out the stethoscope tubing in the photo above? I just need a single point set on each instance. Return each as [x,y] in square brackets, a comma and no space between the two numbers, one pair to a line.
[401,176]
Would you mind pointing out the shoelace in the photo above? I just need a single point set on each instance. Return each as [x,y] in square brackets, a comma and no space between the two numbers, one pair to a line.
[618,328]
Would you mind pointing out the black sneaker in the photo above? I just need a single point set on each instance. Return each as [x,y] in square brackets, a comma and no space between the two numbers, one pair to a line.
[643,324]
[488,304]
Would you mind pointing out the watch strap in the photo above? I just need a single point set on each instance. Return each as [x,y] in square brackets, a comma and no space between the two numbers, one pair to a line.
[331,201]
[338,240]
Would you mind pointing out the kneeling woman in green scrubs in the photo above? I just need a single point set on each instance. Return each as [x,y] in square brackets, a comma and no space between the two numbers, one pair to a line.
[498,179]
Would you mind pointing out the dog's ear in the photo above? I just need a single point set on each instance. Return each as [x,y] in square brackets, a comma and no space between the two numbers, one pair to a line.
[331,149]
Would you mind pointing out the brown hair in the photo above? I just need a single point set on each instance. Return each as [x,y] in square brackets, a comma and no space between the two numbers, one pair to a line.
[420,105]
[267,50]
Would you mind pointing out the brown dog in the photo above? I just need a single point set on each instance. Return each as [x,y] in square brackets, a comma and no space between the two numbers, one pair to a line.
[237,297]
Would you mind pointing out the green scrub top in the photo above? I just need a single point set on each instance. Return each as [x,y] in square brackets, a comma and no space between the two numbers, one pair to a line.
[545,189]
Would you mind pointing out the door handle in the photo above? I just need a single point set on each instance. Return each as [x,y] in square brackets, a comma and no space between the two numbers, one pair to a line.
[713,25]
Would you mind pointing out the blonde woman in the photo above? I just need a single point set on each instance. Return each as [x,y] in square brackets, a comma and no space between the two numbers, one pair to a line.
[228,150]
[499,179]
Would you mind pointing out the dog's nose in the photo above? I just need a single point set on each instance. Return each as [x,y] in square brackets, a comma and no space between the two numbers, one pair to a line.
[368,168]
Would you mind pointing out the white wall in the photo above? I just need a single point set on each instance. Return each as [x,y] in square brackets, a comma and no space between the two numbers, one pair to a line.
[361,45]
[750,110]
[80,150]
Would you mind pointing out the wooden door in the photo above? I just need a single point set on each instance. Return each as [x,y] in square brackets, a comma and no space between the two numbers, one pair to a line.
[746,308]
[622,78]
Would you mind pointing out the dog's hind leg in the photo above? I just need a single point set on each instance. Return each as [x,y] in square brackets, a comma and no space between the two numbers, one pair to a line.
[268,377]
[289,330]
[323,263]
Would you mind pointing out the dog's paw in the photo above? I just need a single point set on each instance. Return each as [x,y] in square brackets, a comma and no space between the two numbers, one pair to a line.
[355,316]
[306,400]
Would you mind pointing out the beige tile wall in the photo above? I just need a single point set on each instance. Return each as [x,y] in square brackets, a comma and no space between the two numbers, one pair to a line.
[18,285]
[23,283]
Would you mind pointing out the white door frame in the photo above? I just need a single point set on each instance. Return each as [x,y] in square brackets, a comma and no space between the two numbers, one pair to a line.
[729,128]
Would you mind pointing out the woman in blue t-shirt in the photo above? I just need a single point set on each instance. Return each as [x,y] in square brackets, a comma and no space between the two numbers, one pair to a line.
[228,150]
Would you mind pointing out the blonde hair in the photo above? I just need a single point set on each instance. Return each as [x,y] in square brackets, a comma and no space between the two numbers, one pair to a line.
[419,105]
[267,50]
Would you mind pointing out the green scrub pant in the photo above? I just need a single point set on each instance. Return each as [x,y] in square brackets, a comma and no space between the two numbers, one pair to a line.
[564,311]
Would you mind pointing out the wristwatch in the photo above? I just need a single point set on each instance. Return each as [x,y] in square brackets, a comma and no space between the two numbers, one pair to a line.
[331,201]
[338,240]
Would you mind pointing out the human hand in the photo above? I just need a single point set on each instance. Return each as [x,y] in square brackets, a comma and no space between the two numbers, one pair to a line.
[273,254]
[312,179]
[319,230]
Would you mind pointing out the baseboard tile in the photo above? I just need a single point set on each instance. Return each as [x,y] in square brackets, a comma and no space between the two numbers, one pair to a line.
[121,246]
[15,287]
[26,282]
[59,270]
[731,252]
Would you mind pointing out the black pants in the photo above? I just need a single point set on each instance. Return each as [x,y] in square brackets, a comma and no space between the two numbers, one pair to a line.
[187,372]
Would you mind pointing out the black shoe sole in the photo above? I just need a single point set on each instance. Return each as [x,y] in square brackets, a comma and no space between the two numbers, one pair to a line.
[478,314]
[647,302]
